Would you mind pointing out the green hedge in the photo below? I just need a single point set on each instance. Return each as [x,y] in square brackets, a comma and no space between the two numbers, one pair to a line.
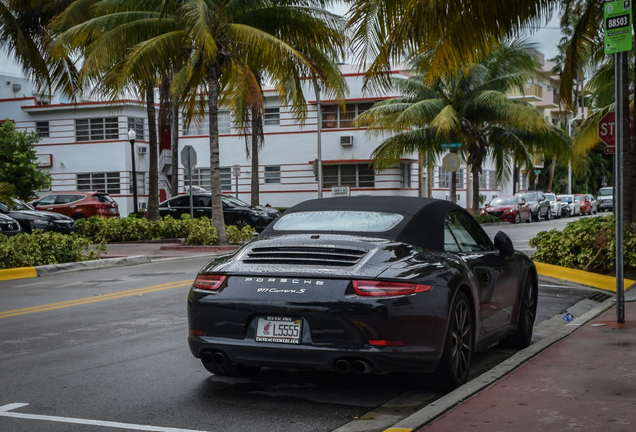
[486,218]
[586,244]
[38,248]
[197,231]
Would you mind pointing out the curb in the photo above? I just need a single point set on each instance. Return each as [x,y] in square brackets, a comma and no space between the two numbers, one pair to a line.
[594,280]
[18,273]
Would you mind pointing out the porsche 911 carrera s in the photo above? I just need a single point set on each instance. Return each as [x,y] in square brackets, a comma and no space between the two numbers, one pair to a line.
[364,285]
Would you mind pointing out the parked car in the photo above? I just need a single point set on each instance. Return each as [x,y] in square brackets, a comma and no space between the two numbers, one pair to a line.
[593,202]
[30,219]
[539,205]
[367,285]
[586,205]
[9,226]
[555,205]
[574,206]
[235,211]
[509,208]
[79,205]
[605,199]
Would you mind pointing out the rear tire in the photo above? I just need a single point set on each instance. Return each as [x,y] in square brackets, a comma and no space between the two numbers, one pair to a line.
[241,222]
[527,316]
[454,366]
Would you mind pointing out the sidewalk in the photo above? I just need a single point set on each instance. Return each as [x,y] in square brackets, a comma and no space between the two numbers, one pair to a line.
[586,381]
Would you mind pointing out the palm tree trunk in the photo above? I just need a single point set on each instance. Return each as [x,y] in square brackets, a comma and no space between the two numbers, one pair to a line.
[215,159]
[255,186]
[174,147]
[552,174]
[153,169]
[475,170]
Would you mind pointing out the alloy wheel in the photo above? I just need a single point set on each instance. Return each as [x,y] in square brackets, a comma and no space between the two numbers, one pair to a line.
[461,340]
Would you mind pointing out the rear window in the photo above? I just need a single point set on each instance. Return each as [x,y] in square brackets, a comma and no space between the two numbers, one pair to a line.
[348,221]
[605,192]
[103,198]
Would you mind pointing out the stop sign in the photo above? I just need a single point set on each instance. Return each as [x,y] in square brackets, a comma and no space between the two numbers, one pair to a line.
[607,128]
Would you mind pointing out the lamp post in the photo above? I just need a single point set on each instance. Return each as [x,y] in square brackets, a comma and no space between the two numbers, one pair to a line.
[131,137]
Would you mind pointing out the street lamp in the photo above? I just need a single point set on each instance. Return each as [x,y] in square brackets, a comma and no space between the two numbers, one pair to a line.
[571,132]
[131,137]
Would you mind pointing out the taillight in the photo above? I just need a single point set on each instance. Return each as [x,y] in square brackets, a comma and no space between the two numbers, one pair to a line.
[386,289]
[209,282]
[385,343]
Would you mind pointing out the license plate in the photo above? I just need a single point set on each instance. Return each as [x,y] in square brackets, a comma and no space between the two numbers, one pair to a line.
[278,330]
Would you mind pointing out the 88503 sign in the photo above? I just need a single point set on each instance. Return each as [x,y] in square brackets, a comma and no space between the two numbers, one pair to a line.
[617,22]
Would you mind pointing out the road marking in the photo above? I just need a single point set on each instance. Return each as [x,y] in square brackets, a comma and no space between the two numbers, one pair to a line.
[94,299]
[4,412]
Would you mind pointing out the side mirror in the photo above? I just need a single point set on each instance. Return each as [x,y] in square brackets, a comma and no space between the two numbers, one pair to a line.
[504,244]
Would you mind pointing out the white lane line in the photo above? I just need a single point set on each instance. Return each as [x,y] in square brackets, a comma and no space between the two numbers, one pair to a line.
[4,413]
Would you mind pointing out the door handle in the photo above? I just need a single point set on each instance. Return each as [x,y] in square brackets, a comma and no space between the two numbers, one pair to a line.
[49,208]
[73,207]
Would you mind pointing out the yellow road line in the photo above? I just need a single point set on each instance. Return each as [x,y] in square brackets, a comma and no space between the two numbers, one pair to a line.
[95,299]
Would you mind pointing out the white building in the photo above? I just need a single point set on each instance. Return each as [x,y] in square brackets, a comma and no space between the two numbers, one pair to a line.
[84,146]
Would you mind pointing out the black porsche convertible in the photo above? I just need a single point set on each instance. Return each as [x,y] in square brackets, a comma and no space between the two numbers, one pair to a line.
[364,285]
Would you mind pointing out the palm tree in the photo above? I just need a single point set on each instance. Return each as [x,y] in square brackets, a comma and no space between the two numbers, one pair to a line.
[7,193]
[456,34]
[471,107]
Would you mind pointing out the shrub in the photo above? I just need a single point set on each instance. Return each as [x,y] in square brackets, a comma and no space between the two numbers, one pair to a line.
[201,232]
[38,248]
[588,244]
[486,218]
[236,236]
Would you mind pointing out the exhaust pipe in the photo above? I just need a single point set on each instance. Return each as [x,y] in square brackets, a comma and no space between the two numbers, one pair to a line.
[343,366]
[216,357]
[361,367]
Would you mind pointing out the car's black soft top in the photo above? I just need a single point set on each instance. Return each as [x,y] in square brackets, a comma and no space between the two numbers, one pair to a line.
[423,223]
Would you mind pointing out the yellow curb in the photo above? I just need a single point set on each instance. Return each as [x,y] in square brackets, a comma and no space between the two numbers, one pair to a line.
[607,283]
[18,273]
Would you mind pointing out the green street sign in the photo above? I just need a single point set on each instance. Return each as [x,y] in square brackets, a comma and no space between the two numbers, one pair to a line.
[617,19]
[451,145]
[537,172]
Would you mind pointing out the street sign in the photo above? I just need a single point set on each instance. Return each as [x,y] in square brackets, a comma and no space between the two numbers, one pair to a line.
[340,191]
[188,157]
[451,145]
[537,172]
[617,19]
[236,170]
[451,162]
[609,150]
[607,128]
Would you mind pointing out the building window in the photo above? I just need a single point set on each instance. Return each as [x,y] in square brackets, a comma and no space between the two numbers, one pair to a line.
[492,180]
[201,126]
[201,178]
[405,175]
[141,183]
[103,182]
[96,129]
[272,116]
[353,175]
[272,174]
[444,178]
[459,178]
[483,180]
[137,124]
[225,125]
[42,128]
[334,117]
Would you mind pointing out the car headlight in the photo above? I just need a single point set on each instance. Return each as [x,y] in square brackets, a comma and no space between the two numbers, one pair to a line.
[41,222]
[508,210]
[256,212]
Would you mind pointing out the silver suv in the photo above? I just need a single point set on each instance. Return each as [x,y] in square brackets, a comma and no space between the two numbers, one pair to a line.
[605,199]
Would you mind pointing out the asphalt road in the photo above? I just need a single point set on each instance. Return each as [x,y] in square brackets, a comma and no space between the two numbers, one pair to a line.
[88,348]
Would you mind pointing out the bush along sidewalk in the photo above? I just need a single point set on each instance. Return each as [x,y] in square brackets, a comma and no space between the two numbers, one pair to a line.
[197,231]
[585,244]
[40,248]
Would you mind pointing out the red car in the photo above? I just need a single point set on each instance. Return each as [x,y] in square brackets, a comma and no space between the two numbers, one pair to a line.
[509,208]
[79,205]
[586,204]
